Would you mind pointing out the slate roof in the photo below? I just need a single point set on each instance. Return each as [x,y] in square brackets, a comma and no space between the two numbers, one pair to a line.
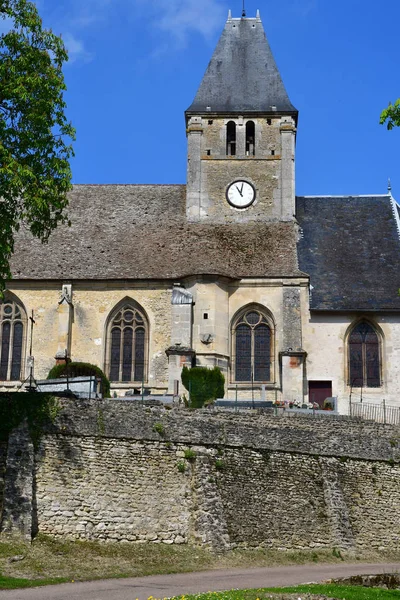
[140,232]
[350,247]
[242,75]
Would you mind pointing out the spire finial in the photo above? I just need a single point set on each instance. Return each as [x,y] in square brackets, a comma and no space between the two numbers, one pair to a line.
[243,10]
[389,186]
[258,17]
[229,15]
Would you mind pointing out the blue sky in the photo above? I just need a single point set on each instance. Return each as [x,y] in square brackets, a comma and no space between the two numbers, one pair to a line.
[135,66]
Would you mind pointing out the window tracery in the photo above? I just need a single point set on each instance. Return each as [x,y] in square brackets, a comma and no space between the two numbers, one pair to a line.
[128,343]
[12,326]
[364,356]
[252,340]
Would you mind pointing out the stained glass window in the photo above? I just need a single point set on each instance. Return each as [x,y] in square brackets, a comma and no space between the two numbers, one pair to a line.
[364,357]
[12,325]
[252,343]
[127,345]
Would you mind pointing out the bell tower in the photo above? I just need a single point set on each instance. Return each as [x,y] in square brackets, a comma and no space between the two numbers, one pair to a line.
[241,130]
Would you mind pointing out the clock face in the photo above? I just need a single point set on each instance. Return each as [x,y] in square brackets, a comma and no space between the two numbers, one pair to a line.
[240,193]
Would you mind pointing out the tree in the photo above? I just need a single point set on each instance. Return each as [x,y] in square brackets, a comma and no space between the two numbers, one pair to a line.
[35,135]
[391,115]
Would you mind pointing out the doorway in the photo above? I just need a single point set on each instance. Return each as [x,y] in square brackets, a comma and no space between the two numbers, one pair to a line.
[319,391]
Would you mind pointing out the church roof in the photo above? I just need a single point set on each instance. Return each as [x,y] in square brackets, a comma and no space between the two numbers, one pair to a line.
[242,75]
[350,247]
[141,232]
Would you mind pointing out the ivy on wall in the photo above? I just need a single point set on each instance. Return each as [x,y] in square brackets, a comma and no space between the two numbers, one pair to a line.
[38,409]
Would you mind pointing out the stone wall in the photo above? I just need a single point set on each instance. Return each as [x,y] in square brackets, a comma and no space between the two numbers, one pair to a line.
[115,471]
[3,458]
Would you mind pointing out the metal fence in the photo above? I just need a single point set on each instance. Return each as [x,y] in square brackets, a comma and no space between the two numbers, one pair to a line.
[381,413]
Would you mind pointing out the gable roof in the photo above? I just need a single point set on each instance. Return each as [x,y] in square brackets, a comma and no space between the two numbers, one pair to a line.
[141,232]
[350,247]
[242,75]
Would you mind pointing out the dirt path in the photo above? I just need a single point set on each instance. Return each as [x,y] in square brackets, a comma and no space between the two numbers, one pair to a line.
[164,586]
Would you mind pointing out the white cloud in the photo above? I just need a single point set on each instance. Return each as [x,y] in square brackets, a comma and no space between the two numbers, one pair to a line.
[304,7]
[76,49]
[180,18]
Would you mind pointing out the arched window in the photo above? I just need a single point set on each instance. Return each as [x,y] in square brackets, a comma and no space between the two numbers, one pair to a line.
[12,335]
[250,138]
[127,344]
[231,139]
[364,356]
[252,344]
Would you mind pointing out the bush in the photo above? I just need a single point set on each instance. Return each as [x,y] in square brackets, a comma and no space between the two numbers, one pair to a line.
[203,384]
[77,369]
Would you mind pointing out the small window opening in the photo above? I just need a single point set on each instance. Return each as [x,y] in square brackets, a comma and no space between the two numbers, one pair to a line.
[208,152]
[231,139]
[269,121]
[210,122]
[250,137]
[205,316]
[272,152]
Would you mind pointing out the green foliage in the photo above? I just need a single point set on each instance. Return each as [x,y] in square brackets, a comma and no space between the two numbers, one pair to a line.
[219,464]
[76,369]
[181,467]
[159,428]
[330,590]
[35,136]
[204,384]
[37,408]
[337,554]
[190,454]
[391,115]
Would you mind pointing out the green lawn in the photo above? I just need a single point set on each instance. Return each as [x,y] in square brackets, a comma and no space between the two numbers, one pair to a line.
[340,592]
[11,583]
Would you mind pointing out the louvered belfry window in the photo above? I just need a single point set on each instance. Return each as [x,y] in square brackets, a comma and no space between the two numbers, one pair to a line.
[128,342]
[12,323]
[364,357]
[252,341]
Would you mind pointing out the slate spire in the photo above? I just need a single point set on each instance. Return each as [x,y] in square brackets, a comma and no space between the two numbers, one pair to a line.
[242,75]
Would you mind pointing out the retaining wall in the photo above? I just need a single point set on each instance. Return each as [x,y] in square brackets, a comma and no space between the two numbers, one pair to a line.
[114,471]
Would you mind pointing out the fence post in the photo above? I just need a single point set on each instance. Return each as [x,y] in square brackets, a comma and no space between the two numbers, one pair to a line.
[236,390]
[350,407]
[384,411]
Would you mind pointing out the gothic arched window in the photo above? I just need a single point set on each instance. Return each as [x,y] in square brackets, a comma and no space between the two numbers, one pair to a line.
[231,138]
[364,356]
[12,335]
[250,138]
[252,344]
[127,344]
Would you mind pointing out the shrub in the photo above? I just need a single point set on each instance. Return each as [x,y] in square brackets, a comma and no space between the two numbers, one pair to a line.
[159,428]
[204,384]
[181,467]
[77,369]
[190,454]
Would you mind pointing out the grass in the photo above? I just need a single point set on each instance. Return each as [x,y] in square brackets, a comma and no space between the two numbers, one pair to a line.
[49,560]
[12,583]
[340,592]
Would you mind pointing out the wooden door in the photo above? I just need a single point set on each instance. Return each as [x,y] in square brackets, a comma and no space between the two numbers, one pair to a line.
[319,391]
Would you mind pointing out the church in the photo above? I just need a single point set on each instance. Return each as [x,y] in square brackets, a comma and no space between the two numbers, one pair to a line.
[293,298]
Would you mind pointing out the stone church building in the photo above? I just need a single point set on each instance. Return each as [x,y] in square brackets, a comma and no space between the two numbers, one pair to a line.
[298,295]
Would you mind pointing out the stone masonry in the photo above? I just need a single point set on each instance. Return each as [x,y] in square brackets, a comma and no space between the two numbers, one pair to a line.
[116,471]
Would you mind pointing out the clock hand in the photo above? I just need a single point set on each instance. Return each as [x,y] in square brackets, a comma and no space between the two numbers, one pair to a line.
[239,190]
